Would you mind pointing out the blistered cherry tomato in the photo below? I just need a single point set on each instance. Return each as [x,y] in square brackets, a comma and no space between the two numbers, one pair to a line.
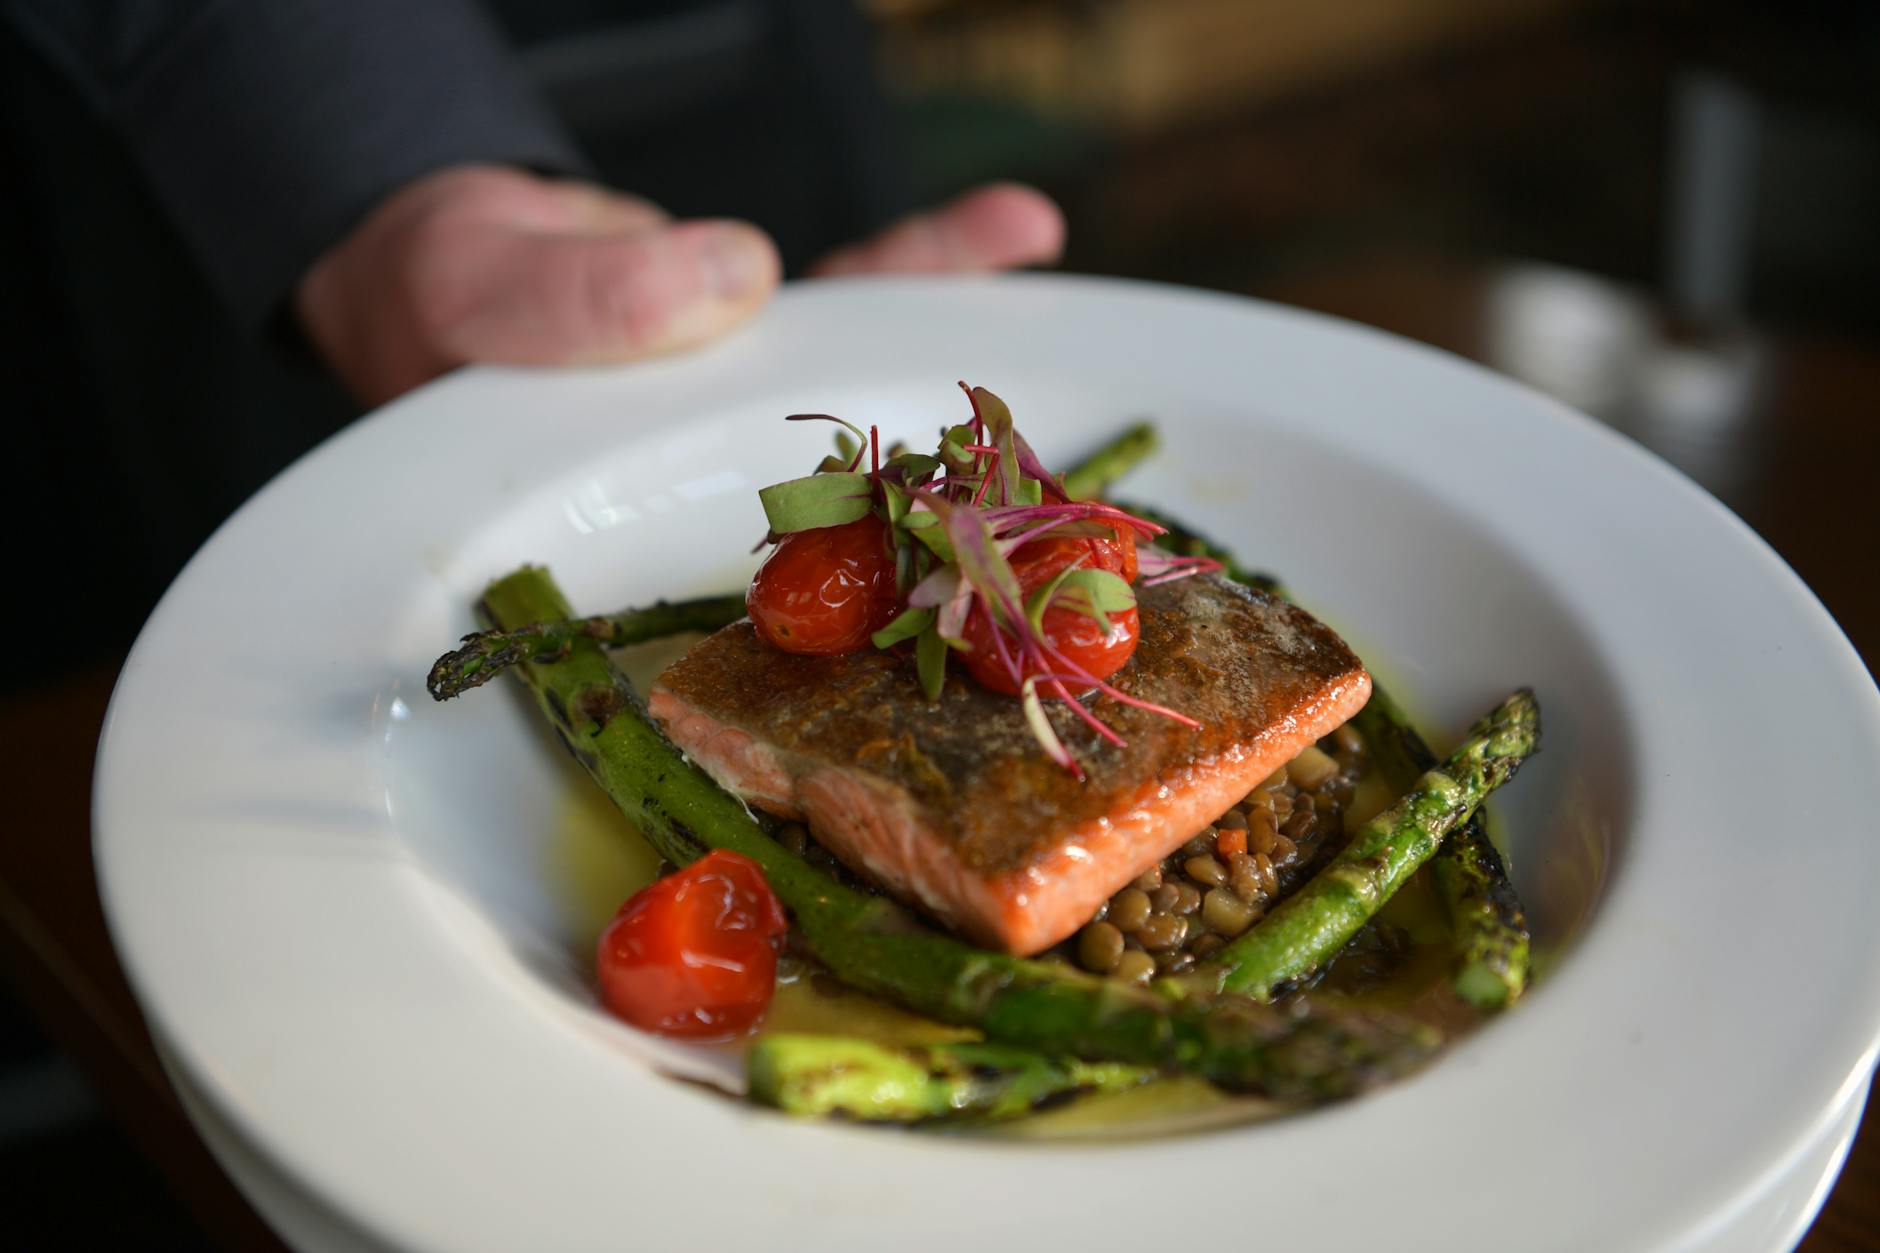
[695,954]
[1074,635]
[825,591]
[1043,558]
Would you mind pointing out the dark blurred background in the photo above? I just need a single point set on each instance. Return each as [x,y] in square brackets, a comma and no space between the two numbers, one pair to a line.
[1662,212]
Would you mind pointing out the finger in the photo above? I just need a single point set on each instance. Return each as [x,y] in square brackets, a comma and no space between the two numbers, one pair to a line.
[599,210]
[993,228]
[572,299]
[496,196]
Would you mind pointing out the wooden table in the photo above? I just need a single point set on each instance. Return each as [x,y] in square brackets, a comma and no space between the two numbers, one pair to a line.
[1796,459]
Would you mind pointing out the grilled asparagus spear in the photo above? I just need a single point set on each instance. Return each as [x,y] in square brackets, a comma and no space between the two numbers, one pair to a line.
[1309,927]
[820,1075]
[1485,916]
[483,655]
[1117,457]
[871,944]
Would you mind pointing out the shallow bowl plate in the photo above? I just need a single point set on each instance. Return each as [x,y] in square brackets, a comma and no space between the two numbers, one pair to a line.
[358,922]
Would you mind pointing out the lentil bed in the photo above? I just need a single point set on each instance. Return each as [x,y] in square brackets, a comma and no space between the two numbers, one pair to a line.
[1221,882]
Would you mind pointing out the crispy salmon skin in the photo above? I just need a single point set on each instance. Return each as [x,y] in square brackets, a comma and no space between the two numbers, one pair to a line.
[952,804]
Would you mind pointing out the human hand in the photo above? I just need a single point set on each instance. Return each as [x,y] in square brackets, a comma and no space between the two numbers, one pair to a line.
[490,264]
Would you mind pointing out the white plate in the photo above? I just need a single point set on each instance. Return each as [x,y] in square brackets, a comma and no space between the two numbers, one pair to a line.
[342,906]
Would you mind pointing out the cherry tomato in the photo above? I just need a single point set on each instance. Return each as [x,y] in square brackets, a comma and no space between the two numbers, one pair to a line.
[823,592]
[1075,635]
[1115,553]
[695,954]
[1126,546]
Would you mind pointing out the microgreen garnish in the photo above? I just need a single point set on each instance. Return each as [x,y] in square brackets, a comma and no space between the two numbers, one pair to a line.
[818,500]
[956,518]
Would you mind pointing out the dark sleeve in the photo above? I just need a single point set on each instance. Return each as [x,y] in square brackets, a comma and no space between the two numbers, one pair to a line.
[267,128]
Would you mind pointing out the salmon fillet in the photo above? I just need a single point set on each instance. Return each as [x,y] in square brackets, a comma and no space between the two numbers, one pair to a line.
[953,806]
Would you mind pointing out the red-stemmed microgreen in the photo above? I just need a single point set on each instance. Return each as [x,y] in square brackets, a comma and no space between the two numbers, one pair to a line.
[956,518]
[1156,567]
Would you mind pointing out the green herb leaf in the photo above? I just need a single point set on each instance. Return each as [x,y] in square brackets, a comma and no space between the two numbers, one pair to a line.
[917,466]
[850,445]
[1043,731]
[1030,492]
[998,419]
[953,452]
[1093,593]
[930,660]
[819,500]
[896,500]
[926,528]
[906,625]
[906,573]
[1041,600]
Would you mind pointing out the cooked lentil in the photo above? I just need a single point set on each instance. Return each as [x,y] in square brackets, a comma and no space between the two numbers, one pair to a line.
[1225,913]
[1187,898]
[1162,931]
[1269,877]
[1184,909]
[1206,870]
[1129,909]
[1245,878]
[1100,947]
[1135,966]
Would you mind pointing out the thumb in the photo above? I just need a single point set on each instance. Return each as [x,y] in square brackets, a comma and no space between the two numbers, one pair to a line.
[555,299]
